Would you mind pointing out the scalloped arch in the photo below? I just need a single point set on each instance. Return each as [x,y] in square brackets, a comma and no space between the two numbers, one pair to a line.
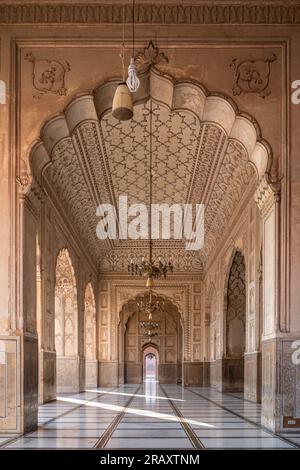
[159,294]
[185,95]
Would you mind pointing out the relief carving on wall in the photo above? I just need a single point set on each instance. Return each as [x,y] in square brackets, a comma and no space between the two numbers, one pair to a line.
[66,305]
[24,178]
[48,76]
[252,76]
[150,56]
[148,13]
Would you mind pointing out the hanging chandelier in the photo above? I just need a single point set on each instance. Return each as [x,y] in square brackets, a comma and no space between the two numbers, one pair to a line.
[149,304]
[150,268]
[149,329]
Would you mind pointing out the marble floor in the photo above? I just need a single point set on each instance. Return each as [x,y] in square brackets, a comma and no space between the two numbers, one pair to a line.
[150,416]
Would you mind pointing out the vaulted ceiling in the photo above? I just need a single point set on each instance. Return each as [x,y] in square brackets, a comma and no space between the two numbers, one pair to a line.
[202,147]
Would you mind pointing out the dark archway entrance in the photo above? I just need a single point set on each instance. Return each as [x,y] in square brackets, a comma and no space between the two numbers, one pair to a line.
[235,317]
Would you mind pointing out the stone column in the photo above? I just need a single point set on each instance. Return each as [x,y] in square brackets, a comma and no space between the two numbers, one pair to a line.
[19,343]
[47,355]
[80,327]
[252,357]
[10,337]
[268,200]
[281,325]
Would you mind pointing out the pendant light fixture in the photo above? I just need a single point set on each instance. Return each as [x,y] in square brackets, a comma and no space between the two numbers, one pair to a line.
[149,304]
[122,107]
[133,81]
[150,268]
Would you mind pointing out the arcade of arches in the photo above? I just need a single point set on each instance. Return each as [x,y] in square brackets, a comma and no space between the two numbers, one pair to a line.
[69,320]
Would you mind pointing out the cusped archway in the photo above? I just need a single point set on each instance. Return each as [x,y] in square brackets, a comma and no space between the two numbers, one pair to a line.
[66,324]
[168,342]
[90,345]
[205,149]
[150,361]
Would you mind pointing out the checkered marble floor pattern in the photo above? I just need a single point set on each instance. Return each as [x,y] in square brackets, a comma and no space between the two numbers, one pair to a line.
[150,416]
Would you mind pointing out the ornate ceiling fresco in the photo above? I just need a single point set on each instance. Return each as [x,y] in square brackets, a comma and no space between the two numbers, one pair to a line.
[201,153]
[175,143]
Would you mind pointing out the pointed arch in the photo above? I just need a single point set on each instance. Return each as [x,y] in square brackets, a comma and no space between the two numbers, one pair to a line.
[90,335]
[236,307]
[150,368]
[188,95]
[66,325]
[166,298]
[89,323]
[235,324]
[66,308]
[169,341]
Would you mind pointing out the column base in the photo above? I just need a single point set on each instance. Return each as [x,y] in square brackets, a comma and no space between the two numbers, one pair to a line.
[121,369]
[47,376]
[233,374]
[91,373]
[281,384]
[133,373]
[108,374]
[215,374]
[70,374]
[18,374]
[29,371]
[168,373]
[252,382]
[227,374]
[196,374]
[10,399]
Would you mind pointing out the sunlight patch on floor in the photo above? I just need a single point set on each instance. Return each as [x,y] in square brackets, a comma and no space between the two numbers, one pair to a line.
[134,411]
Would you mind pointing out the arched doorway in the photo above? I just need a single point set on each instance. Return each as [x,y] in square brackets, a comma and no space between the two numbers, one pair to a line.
[66,325]
[235,324]
[150,362]
[167,344]
[90,354]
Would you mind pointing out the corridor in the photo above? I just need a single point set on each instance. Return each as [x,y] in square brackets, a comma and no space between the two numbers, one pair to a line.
[150,416]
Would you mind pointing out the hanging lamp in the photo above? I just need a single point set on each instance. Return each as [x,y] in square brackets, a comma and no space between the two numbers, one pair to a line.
[122,107]
[150,268]
[133,81]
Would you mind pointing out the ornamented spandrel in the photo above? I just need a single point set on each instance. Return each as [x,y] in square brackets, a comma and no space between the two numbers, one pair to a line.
[252,76]
[48,76]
